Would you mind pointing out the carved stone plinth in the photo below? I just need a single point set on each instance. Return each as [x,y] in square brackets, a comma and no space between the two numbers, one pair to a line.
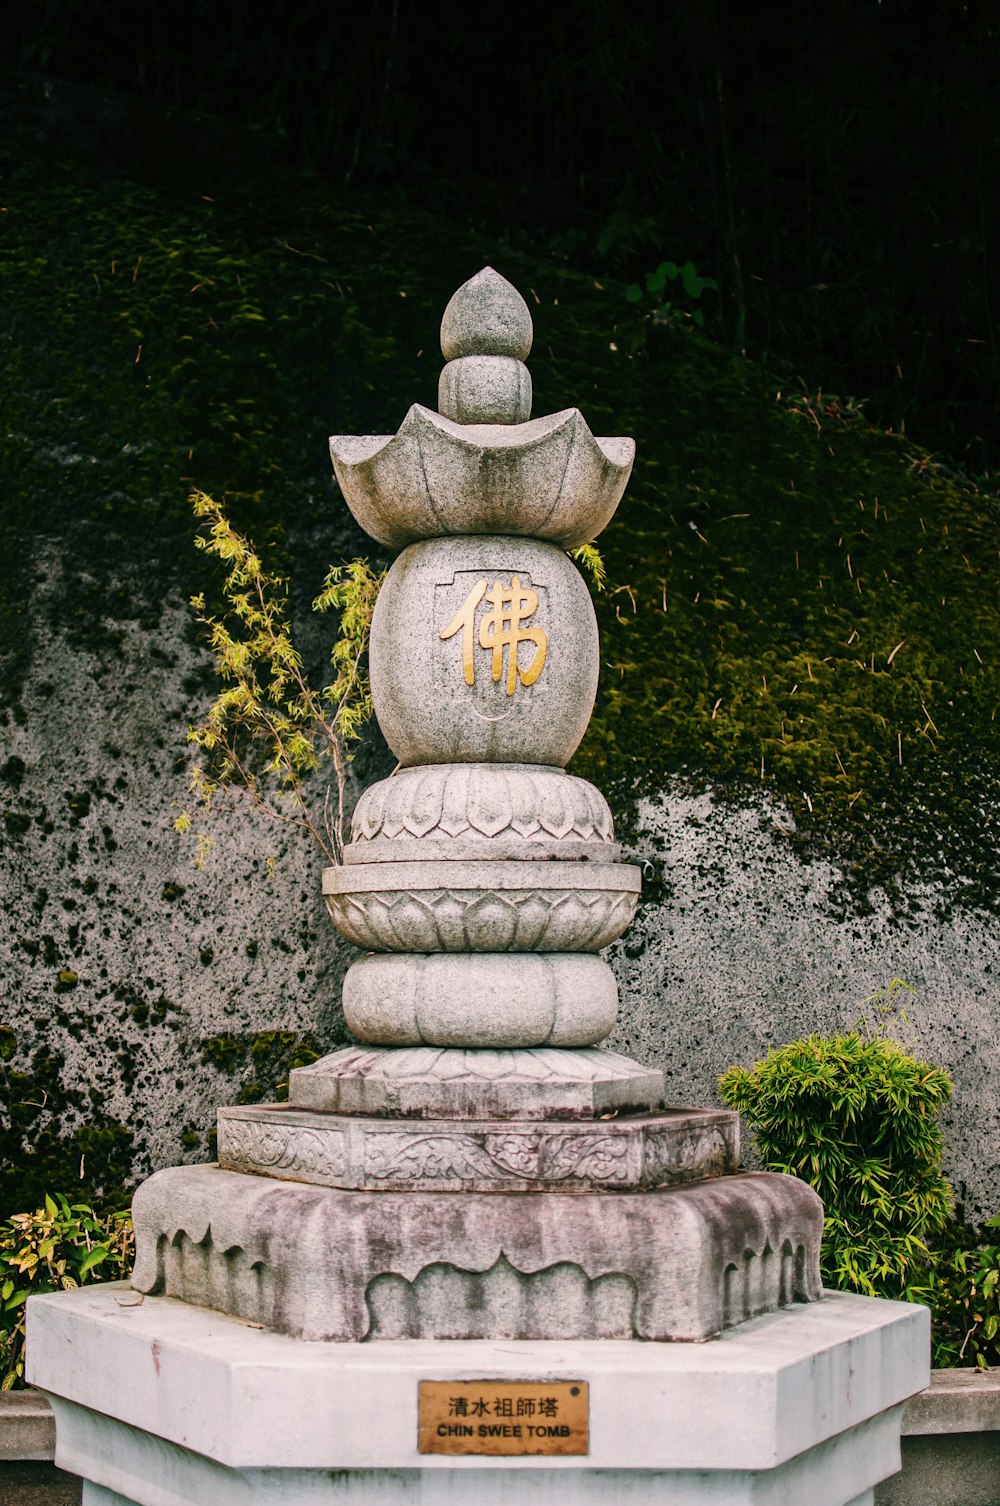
[425,1083]
[646,1152]
[322,1263]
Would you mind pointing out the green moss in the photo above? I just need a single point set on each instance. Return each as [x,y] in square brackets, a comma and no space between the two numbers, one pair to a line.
[37,1150]
[811,609]
[224,1052]
[808,606]
[259,1064]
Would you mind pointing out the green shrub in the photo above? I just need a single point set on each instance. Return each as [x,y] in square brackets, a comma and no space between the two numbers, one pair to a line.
[856,1116]
[58,1247]
[963,1289]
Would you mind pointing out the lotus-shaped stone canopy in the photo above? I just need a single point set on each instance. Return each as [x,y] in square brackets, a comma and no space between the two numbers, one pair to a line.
[461,471]
[549,478]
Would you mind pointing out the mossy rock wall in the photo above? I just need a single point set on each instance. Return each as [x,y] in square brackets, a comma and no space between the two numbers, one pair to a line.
[799,684]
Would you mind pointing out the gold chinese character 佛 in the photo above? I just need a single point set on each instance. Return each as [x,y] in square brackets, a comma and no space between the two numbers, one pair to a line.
[502,628]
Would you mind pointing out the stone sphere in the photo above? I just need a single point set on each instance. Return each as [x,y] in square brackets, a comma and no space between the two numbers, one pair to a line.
[484,650]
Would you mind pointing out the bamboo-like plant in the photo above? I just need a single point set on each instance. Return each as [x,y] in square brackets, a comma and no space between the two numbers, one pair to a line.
[856,1116]
[269,728]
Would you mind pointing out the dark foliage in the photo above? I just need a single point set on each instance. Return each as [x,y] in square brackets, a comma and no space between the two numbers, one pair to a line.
[87,1148]
[963,1291]
[830,166]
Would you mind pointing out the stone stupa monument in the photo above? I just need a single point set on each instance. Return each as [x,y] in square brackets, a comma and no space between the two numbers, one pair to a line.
[530,1184]
[479,1168]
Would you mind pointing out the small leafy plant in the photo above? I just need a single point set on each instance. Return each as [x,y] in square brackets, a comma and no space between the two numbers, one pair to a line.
[269,728]
[675,292]
[962,1286]
[590,562]
[58,1247]
[856,1116]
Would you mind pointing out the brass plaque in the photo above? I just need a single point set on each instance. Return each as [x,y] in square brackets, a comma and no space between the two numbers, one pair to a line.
[503,1417]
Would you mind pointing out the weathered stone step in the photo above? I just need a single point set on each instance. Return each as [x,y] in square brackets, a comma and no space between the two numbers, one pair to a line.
[427,1082]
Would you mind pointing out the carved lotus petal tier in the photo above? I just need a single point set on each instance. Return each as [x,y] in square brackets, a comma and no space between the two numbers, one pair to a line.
[489,1000]
[549,478]
[341,1150]
[481,811]
[482,907]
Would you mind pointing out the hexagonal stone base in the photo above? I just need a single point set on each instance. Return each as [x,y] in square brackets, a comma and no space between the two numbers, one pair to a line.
[645,1151]
[427,1082]
[322,1263]
[167,1403]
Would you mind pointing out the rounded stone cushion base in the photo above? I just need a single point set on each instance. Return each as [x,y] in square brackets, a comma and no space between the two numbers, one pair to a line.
[485,999]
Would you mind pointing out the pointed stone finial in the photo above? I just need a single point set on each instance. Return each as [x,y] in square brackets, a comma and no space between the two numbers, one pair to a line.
[485,336]
[486,317]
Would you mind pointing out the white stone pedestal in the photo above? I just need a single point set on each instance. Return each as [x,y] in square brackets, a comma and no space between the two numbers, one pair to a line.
[164,1404]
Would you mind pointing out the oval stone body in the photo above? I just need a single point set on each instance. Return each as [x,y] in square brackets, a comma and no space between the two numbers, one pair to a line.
[484,650]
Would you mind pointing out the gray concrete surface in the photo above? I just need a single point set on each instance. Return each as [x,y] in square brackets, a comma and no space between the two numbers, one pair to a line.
[960,1469]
